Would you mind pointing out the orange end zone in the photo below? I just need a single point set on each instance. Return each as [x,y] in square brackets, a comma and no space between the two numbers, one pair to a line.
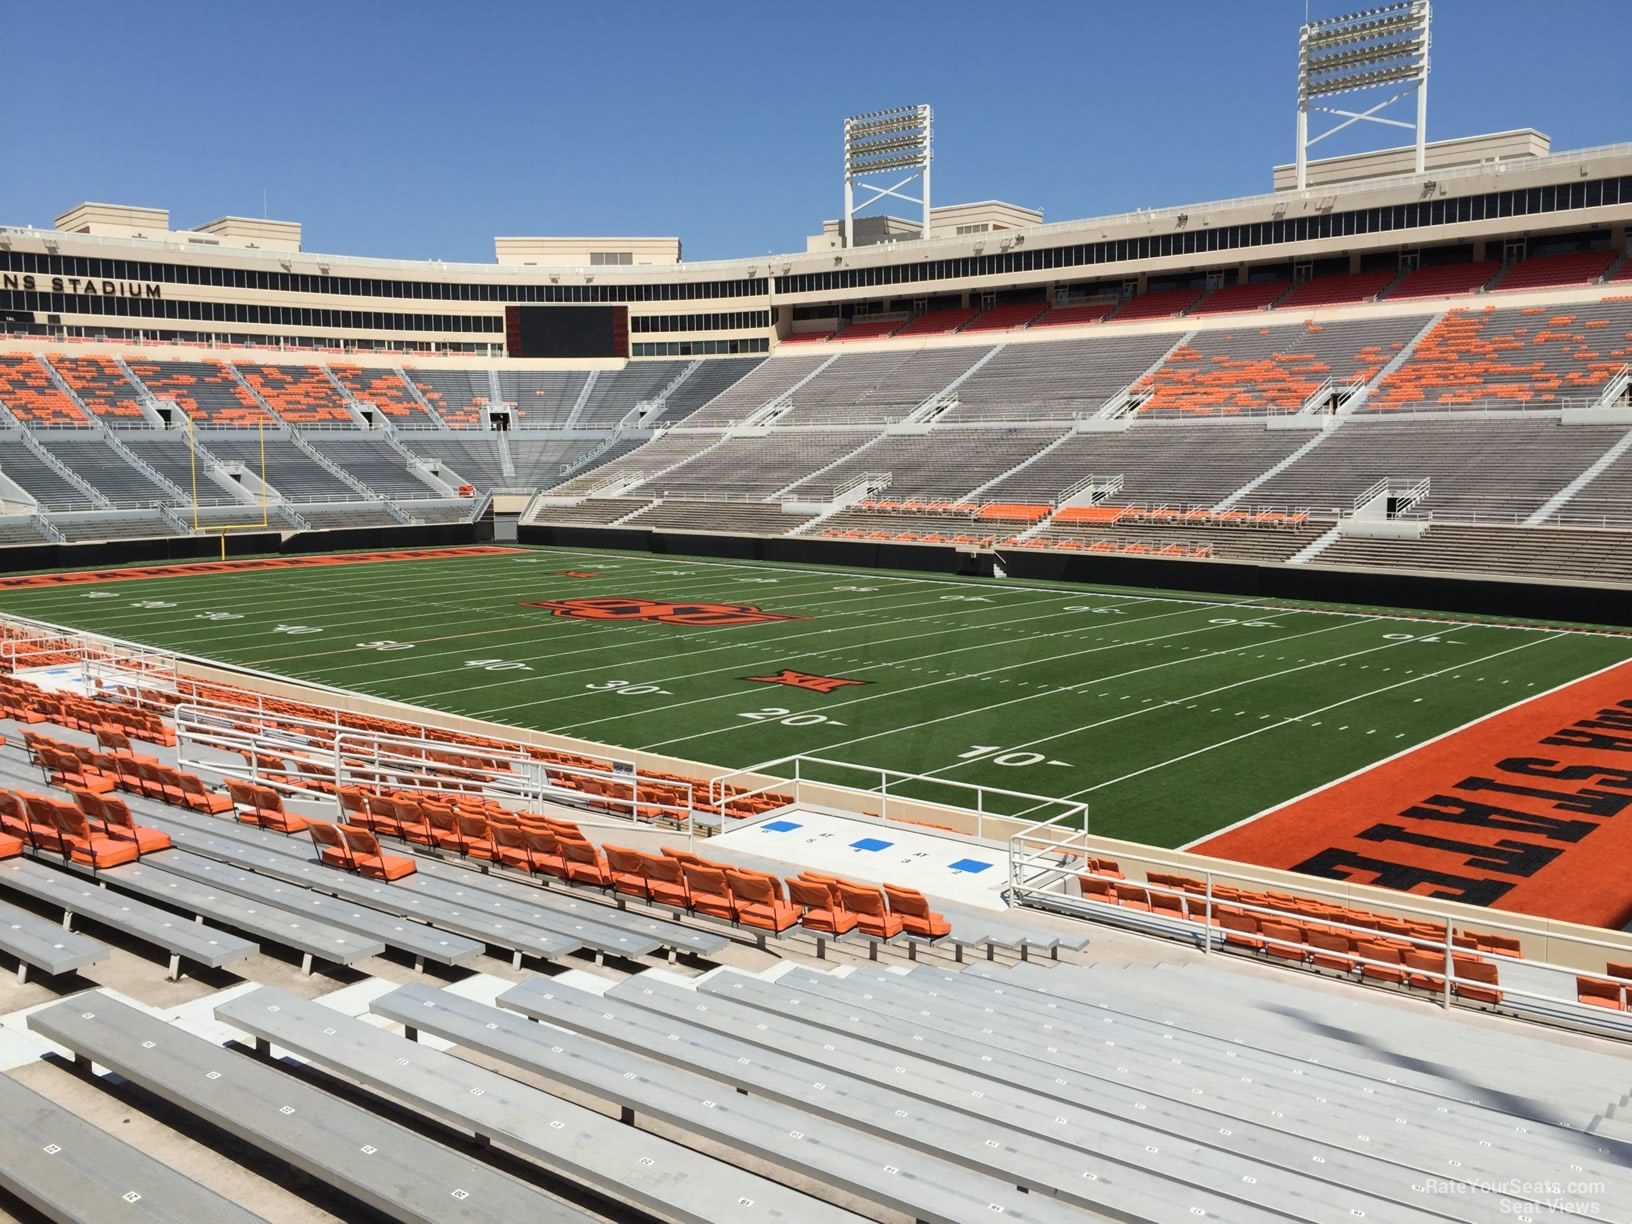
[1529,809]
[258,563]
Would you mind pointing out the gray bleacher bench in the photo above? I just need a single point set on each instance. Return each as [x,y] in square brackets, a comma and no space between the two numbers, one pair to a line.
[817,1076]
[45,945]
[632,1165]
[1075,1114]
[270,923]
[420,941]
[927,1182]
[202,945]
[598,937]
[67,1169]
[602,927]
[1448,1141]
[236,845]
[386,1166]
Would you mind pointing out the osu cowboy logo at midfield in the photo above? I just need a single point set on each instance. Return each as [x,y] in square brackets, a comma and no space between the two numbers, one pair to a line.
[659,611]
[804,680]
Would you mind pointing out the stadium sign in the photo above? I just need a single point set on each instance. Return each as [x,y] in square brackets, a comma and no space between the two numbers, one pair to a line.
[81,286]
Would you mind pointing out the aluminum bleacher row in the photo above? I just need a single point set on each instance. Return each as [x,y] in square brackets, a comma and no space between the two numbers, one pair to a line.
[1041,1091]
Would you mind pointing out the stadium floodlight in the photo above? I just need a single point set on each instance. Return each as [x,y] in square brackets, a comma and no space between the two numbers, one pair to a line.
[1377,48]
[887,142]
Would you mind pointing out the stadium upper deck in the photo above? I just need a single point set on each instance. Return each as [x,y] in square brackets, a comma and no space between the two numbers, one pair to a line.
[192,287]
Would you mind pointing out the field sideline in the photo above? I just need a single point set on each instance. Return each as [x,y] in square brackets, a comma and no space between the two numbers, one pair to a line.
[1174,716]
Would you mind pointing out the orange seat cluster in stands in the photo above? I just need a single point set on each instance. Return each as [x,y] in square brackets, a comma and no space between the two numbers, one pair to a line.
[27,390]
[1194,382]
[1314,934]
[53,827]
[1168,516]
[99,771]
[205,390]
[29,703]
[1613,993]
[1525,356]
[465,414]
[100,385]
[1153,548]
[385,389]
[301,395]
[1009,512]
[357,850]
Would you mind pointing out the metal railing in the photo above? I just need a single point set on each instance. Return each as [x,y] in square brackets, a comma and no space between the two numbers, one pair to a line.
[1535,980]
[887,789]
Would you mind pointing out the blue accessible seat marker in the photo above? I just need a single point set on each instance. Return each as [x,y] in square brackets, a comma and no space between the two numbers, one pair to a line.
[870,843]
[970,865]
[781,826]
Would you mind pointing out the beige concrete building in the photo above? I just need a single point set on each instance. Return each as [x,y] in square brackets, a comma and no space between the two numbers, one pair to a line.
[586,252]
[120,274]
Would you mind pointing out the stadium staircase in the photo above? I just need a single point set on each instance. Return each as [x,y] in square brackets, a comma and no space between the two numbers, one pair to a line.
[1567,494]
[1355,402]
[322,460]
[352,403]
[91,492]
[975,493]
[768,412]
[149,401]
[1269,474]
[46,528]
[583,398]
[111,437]
[507,461]
[62,384]
[945,398]
[1316,546]
[418,397]
[653,407]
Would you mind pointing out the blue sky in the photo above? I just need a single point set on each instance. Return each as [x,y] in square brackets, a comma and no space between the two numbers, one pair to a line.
[419,131]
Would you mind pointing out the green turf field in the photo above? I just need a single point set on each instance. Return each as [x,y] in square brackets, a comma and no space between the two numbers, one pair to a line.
[1173,716]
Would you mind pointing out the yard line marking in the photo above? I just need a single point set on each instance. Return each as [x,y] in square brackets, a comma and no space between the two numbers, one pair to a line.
[828,653]
[1300,717]
[827,748]
[1355,773]
[982,645]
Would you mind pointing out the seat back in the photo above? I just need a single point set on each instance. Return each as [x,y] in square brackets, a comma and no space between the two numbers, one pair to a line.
[809,895]
[859,900]
[472,826]
[244,794]
[706,881]
[360,842]
[663,870]
[907,901]
[327,837]
[541,842]
[750,889]
[622,859]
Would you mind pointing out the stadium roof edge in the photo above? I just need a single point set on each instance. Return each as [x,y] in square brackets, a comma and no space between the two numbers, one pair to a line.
[748,265]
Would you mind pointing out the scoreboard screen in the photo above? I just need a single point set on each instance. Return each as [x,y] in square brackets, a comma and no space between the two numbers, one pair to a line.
[566,331]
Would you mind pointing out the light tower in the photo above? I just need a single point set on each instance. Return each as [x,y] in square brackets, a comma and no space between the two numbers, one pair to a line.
[1377,49]
[886,142]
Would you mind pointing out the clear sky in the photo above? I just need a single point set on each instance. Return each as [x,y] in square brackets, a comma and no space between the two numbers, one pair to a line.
[419,130]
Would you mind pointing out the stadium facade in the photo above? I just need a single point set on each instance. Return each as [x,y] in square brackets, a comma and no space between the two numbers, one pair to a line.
[121,274]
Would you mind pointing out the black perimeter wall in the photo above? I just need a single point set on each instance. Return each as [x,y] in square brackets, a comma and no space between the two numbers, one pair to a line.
[1370,588]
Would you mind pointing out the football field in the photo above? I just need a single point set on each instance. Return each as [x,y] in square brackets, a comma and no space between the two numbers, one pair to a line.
[1173,716]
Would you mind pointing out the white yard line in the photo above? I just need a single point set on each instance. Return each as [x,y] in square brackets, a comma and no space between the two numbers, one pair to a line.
[1394,756]
[897,730]
[1275,726]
